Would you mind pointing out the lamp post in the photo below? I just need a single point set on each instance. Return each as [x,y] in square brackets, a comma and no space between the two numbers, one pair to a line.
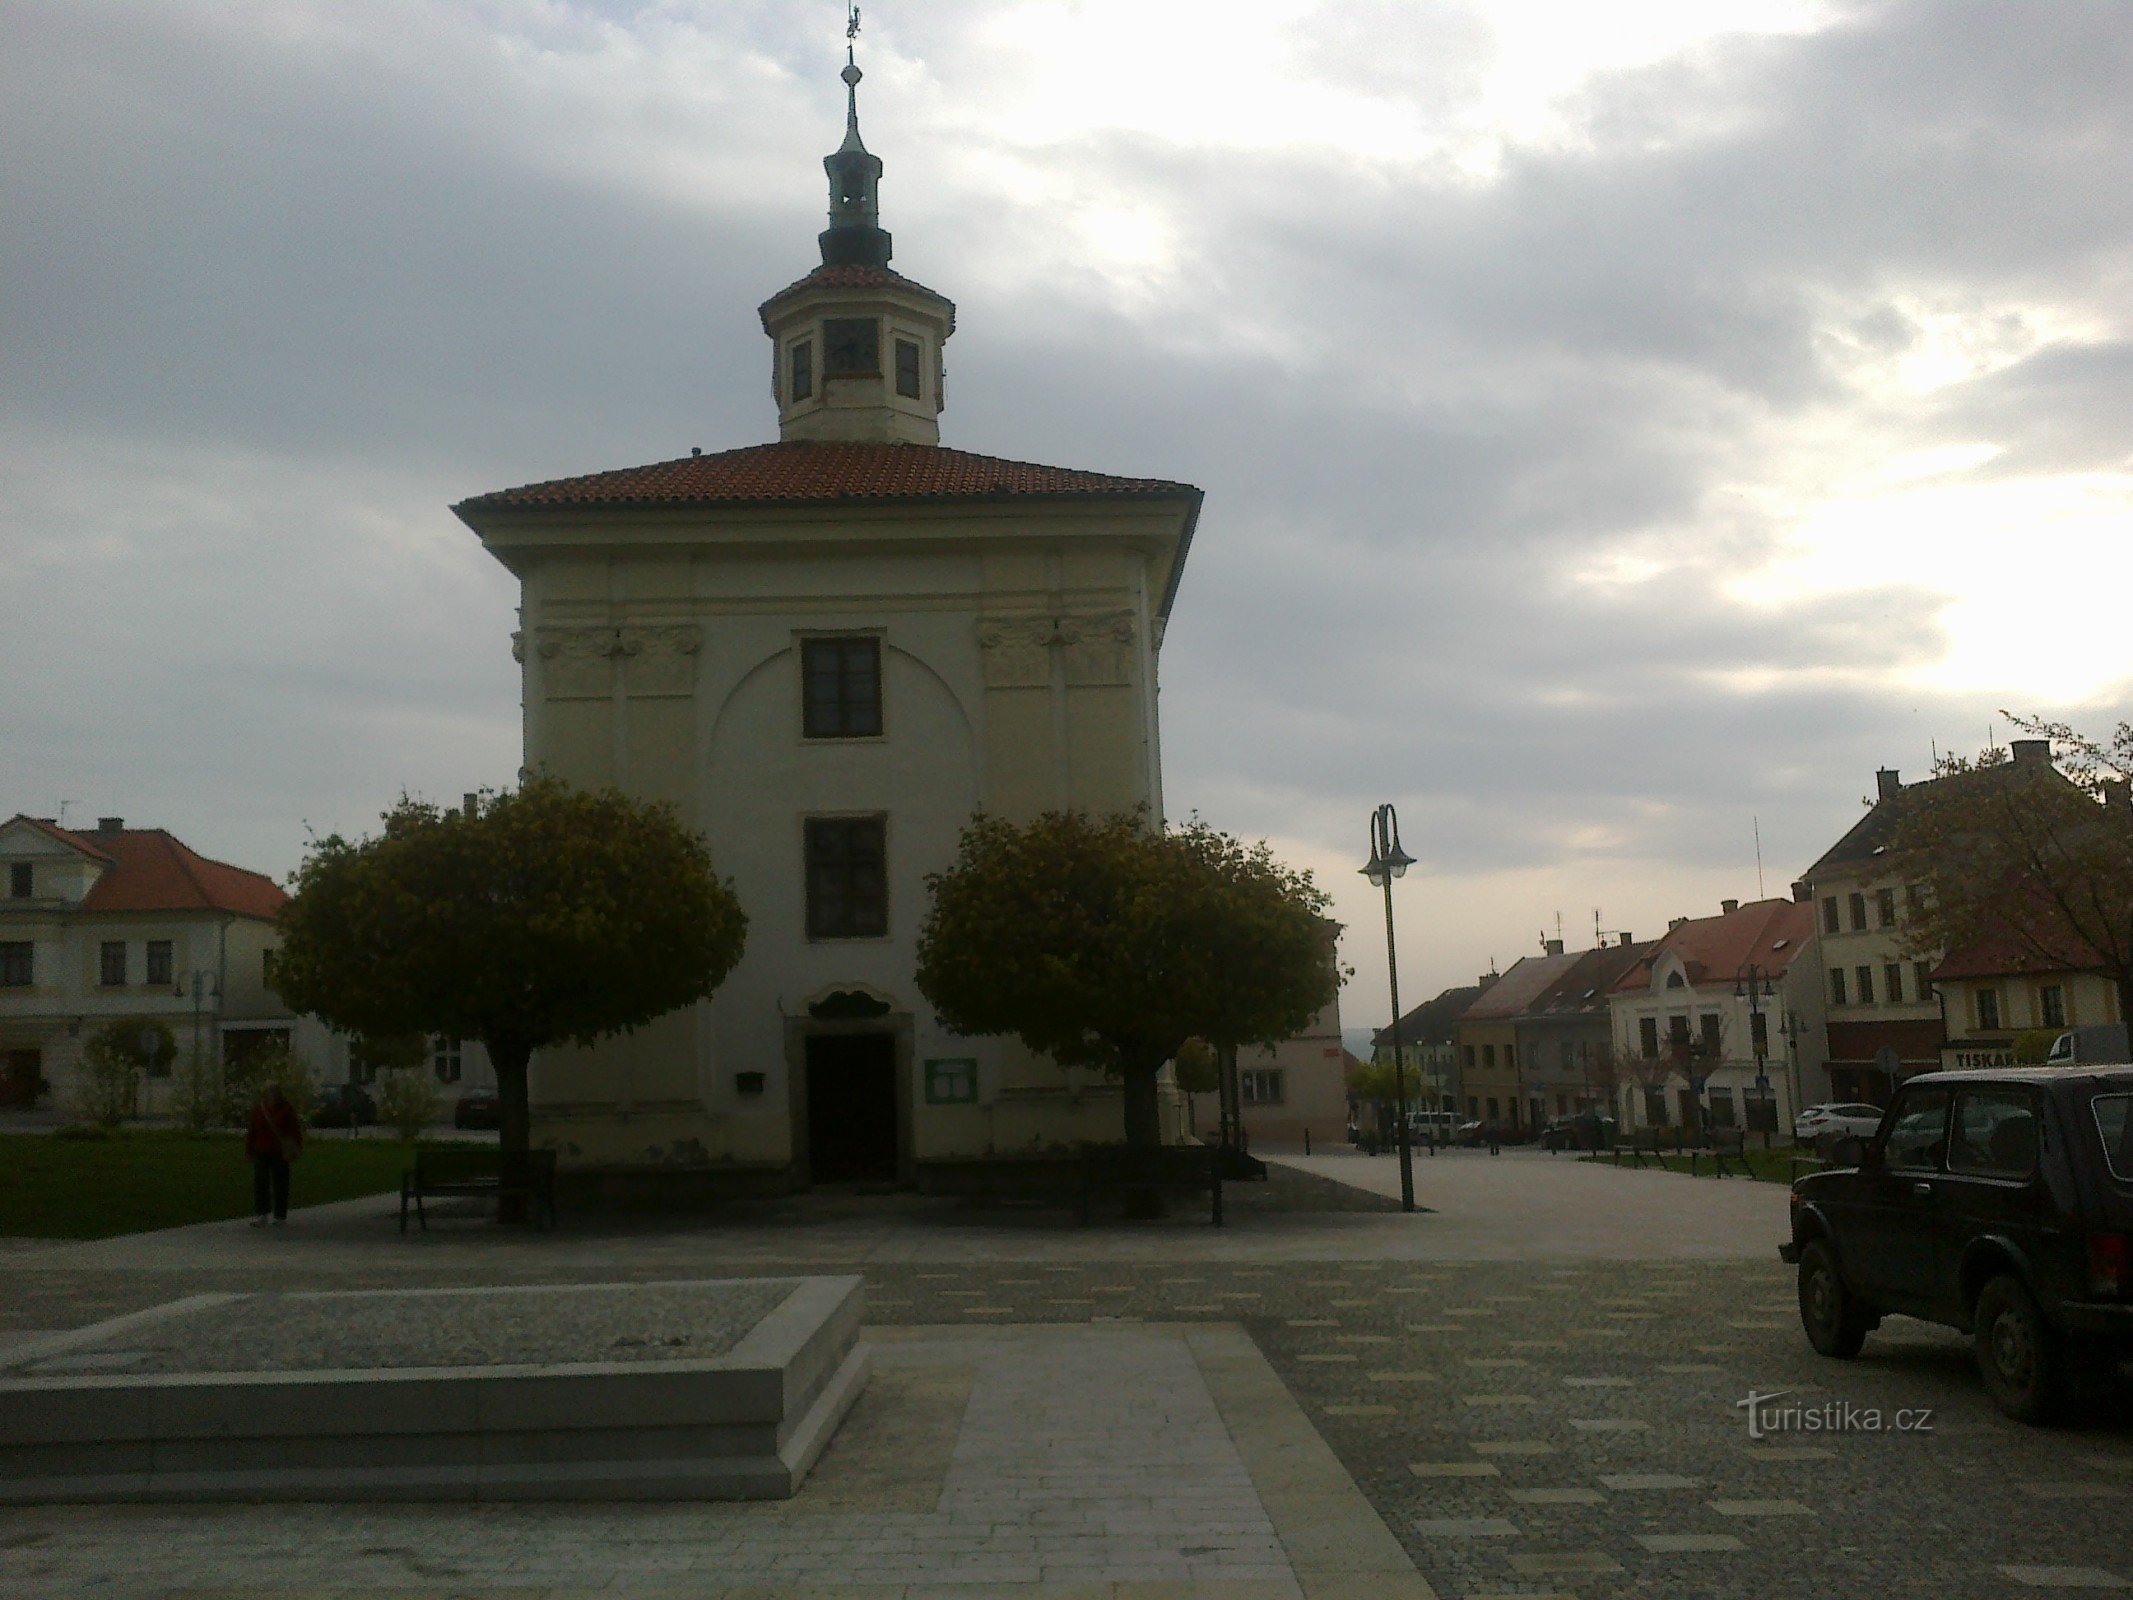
[1752,983]
[1387,862]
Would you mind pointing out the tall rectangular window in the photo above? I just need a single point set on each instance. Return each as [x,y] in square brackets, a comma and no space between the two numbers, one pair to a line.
[1488,1059]
[446,1059]
[1836,986]
[111,965]
[1892,983]
[800,382]
[847,878]
[21,880]
[1988,1008]
[841,687]
[907,368]
[1708,1026]
[18,969]
[2051,1006]
[159,961]
[1858,910]
[1865,975]
[1885,908]
[1829,915]
[1921,980]
[1648,1037]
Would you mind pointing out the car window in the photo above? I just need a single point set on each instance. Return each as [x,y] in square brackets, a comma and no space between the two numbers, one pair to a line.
[1918,1137]
[2114,1121]
[1994,1134]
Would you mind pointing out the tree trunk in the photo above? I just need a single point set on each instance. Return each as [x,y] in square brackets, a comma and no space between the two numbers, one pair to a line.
[509,1058]
[2125,1004]
[1144,1131]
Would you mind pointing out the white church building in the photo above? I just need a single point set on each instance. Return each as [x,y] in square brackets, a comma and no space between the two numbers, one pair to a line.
[827,652]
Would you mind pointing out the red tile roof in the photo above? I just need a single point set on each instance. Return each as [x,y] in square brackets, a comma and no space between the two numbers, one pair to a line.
[855,276]
[151,871]
[800,472]
[2031,937]
[1769,933]
[1525,981]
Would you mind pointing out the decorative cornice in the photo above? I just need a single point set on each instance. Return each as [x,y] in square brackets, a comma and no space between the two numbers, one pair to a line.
[582,663]
[1094,648]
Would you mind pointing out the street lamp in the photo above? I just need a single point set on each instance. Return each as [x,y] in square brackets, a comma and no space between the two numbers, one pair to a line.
[1387,862]
[1752,984]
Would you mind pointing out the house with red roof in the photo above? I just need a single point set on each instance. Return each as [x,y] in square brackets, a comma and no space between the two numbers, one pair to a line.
[119,924]
[2040,978]
[1709,1027]
[827,651]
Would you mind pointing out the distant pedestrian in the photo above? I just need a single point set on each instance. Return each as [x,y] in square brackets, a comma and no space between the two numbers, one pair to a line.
[273,1138]
[1495,1140]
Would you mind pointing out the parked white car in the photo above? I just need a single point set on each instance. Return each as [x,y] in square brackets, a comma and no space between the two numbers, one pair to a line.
[1825,1124]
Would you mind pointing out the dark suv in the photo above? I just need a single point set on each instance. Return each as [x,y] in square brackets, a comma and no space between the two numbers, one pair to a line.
[1999,1203]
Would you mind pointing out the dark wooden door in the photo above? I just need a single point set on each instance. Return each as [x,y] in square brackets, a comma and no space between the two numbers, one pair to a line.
[851,1108]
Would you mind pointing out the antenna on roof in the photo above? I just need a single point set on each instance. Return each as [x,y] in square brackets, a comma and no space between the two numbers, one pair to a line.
[1757,823]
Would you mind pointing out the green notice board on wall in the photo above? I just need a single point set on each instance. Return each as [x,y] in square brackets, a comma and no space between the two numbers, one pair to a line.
[951,1081]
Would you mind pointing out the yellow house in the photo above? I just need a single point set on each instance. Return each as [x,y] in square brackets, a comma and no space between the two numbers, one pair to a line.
[1997,989]
[827,652]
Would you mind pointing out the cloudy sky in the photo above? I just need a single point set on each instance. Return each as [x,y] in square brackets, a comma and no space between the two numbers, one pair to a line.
[1622,426]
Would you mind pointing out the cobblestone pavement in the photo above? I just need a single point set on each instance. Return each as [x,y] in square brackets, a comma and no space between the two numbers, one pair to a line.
[1545,1426]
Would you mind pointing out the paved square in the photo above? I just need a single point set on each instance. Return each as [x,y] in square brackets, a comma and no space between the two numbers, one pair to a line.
[1094,1419]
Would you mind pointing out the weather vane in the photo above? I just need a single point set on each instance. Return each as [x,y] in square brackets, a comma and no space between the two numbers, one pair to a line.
[851,26]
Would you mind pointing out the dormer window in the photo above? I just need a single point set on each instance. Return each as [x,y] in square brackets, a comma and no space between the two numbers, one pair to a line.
[800,382]
[851,347]
[907,368]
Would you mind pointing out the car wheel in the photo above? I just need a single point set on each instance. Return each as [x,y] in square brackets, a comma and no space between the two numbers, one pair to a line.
[1835,1321]
[2019,1354]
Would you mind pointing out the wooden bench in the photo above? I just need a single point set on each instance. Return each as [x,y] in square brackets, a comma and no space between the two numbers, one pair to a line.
[481,1171]
[1120,1168]
[1642,1142]
[1723,1145]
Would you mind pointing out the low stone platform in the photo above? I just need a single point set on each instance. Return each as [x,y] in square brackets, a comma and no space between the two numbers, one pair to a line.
[724,1389]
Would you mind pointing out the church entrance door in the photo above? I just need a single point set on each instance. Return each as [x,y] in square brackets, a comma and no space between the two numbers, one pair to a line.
[851,1107]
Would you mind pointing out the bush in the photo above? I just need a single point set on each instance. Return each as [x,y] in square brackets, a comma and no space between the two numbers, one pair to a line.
[408,1102]
[196,1092]
[107,1079]
[275,1061]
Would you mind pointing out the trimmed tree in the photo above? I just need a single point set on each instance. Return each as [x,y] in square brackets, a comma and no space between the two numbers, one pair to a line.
[1102,942]
[547,916]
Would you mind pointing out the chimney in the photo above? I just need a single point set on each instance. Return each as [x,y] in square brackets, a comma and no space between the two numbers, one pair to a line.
[1627,941]
[1553,947]
[1803,891]
[1886,782]
[110,824]
[2118,794]
[1674,922]
[2032,752]
[1726,908]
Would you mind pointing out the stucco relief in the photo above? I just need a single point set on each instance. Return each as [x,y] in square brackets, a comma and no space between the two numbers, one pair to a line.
[579,663]
[1095,648]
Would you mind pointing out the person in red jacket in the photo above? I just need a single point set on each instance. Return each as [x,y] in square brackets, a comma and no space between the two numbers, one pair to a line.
[273,1139]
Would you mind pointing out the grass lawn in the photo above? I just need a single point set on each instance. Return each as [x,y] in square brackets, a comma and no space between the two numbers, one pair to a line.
[53,1188]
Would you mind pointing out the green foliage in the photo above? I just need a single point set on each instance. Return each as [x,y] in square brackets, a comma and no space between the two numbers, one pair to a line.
[272,1060]
[107,1078]
[1197,1067]
[196,1092]
[1373,1080]
[548,915]
[373,1056]
[408,1102]
[1102,942]
[2032,1045]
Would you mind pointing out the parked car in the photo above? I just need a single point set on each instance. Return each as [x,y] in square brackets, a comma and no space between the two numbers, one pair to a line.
[478,1108]
[1998,1203]
[1580,1130]
[1424,1126]
[344,1105]
[1823,1125]
[2097,1044]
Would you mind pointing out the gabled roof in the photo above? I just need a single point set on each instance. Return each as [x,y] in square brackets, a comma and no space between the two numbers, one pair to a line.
[1874,833]
[1583,990]
[149,870]
[1528,978]
[1431,1021]
[1768,933]
[822,471]
[2044,943]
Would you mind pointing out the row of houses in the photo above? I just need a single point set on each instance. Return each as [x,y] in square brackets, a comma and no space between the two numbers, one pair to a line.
[1744,1018]
[131,925]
